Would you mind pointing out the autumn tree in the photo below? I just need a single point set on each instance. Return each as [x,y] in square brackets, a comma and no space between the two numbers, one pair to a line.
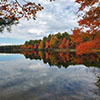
[62,43]
[89,23]
[46,44]
[53,42]
[88,47]
[19,9]
[41,45]
[66,35]
[49,37]
[90,19]
[59,35]
[79,36]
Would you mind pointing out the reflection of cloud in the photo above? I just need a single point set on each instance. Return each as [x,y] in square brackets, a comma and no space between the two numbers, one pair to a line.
[35,66]
[57,16]
[77,66]
[45,74]
[73,81]
[5,54]
[41,82]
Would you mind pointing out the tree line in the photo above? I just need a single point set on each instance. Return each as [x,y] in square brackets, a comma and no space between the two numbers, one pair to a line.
[53,41]
[81,43]
[9,48]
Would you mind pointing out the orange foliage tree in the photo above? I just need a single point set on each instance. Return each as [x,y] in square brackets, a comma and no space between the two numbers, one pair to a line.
[76,38]
[19,9]
[87,47]
[46,44]
[89,24]
[62,43]
[91,17]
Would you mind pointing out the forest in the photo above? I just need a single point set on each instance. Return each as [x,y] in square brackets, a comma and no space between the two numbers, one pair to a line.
[9,48]
[81,43]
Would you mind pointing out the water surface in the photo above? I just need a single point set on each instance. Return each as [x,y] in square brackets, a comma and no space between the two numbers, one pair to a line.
[35,79]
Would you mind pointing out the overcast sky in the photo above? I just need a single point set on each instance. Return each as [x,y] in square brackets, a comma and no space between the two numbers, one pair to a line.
[58,16]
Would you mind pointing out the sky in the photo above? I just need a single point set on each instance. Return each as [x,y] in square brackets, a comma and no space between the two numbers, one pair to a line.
[58,16]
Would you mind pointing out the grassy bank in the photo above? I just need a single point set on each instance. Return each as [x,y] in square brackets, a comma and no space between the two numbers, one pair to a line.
[56,50]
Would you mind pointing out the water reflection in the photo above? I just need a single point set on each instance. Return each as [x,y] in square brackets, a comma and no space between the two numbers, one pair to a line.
[8,57]
[64,59]
[25,79]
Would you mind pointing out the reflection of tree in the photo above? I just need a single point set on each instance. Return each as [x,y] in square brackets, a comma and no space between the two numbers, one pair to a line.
[97,91]
[98,82]
[64,59]
[7,23]
[31,55]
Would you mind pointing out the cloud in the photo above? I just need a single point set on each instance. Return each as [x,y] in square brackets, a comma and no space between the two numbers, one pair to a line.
[2,44]
[57,16]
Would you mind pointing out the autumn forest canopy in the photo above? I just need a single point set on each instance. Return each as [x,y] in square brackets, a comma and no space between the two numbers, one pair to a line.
[84,44]
[84,39]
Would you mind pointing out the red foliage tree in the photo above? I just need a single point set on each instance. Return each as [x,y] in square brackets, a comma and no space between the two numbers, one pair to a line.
[89,24]
[35,46]
[19,9]
[88,47]
[76,37]
[32,47]
[46,44]
[91,17]
[62,43]
[23,46]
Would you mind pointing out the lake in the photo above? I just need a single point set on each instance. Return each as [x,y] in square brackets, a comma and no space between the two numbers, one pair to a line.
[49,76]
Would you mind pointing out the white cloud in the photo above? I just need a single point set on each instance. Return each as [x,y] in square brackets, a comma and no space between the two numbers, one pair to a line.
[57,16]
[37,31]
[2,44]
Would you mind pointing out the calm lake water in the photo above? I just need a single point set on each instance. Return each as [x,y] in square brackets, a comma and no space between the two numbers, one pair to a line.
[50,79]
